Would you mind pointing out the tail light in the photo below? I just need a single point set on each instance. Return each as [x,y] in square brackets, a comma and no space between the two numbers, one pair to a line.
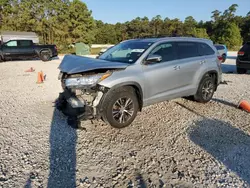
[55,48]
[241,53]
[220,58]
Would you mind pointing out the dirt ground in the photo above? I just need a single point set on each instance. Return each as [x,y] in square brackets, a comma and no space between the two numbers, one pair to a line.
[172,144]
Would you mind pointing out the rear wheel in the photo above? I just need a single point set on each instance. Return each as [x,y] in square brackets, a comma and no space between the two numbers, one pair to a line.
[1,59]
[120,107]
[45,55]
[206,90]
[241,71]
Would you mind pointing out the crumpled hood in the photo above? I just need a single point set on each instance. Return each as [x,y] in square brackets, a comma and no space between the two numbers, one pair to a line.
[72,64]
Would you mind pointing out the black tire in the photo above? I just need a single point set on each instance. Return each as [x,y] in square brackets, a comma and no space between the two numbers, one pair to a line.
[241,71]
[45,56]
[205,90]
[190,98]
[123,115]
[224,58]
[1,59]
[74,122]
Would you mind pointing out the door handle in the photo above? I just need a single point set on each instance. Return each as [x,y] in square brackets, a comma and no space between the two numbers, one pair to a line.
[202,62]
[177,67]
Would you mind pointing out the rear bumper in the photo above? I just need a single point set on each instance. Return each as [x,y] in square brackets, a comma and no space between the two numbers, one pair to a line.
[243,65]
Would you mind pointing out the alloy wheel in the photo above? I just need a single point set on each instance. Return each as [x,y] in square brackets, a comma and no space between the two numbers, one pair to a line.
[123,110]
[207,90]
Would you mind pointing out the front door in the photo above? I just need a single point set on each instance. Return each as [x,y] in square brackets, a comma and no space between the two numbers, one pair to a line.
[161,79]
[10,49]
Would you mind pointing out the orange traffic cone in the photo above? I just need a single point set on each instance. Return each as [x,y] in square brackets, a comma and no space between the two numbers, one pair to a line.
[42,77]
[245,105]
[39,78]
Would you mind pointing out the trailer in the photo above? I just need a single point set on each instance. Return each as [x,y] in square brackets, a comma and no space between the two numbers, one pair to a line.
[6,36]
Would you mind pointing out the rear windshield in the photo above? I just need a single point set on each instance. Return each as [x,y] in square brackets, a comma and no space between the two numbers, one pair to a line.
[219,47]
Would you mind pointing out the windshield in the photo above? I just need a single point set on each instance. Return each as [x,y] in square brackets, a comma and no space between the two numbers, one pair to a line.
[127,52]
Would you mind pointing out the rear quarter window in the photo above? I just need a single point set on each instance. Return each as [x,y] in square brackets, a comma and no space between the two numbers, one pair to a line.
[205,49]
[187,50]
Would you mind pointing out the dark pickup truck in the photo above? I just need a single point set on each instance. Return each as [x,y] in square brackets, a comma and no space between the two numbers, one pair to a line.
[15,49]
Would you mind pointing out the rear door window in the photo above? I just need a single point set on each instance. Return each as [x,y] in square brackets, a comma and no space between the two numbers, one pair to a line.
[187,50]
[205,49]
[25,43]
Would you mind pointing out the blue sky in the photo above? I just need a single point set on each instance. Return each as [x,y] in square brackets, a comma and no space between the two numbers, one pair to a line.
[112,11]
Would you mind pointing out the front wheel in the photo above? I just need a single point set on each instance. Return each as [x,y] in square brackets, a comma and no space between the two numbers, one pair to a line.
[120,107]
[205,90]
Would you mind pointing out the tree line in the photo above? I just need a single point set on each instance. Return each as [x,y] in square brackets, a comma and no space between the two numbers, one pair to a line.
[63,22]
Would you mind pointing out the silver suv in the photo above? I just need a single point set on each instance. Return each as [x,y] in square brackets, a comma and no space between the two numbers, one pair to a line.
[137,73]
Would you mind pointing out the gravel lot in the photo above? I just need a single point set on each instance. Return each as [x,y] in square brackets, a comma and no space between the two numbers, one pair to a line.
[172,144]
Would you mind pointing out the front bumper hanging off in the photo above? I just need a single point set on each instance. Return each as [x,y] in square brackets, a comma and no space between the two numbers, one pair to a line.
[75,106]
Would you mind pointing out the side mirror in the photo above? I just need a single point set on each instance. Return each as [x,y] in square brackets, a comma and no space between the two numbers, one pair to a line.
[153,59]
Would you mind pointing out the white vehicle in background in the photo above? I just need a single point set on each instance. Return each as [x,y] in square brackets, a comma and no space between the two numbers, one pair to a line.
[222,49]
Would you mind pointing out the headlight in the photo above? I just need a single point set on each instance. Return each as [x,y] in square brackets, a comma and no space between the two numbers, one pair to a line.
[86,80]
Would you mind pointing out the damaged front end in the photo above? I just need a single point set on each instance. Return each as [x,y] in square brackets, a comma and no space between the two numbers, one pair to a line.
[81,96]
[82,92]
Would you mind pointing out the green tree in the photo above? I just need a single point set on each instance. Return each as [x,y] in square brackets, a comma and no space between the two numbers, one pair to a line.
[216,15]
[81,23]
[230,35]
[245,29]
[121,32]
[200,33]
[156,25]
[173,27]
[105,33]
[230,12]
[190,25]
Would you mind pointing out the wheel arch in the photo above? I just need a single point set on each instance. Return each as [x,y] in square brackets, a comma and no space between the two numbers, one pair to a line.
[136,86]
[44,49]
[214,75]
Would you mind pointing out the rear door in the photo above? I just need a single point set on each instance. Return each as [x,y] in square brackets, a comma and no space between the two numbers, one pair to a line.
[26,48]
[189,62]
[244,53]
[10,49]
[211,60]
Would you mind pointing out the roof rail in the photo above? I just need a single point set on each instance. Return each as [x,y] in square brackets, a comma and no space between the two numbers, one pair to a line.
[162,36]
